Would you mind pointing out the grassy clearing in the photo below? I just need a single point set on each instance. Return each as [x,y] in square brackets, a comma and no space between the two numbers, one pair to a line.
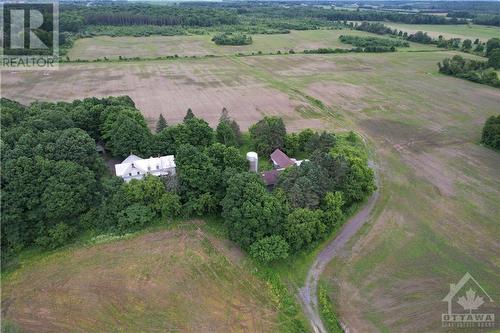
[471,31]
[182,279]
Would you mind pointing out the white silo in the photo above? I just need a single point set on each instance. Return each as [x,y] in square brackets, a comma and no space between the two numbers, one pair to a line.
[253,160]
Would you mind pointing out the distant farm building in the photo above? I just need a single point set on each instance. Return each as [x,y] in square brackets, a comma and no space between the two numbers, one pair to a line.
[135,167]
[280,160]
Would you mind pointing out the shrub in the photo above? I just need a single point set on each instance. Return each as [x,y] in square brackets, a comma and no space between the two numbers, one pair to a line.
[170,205]
[491,132]
[327,313]
[269,249]
[373,41]
[57,236]
[232,39]
[134,217]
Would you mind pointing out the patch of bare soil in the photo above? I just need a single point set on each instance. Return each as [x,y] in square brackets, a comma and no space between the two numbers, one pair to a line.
[416,147]
[167,88]
[293,66]
[339,95]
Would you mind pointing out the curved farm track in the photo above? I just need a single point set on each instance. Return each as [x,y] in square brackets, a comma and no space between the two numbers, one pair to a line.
[308,294]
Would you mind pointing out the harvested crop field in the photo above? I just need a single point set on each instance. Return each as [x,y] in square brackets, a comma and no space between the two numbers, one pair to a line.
[148,47]
[168,281]
[163,87]
[155,46]
[463,31]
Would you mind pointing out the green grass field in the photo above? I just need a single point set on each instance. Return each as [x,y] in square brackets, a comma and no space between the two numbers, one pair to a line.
[180,280]
[462,31]
[154,46]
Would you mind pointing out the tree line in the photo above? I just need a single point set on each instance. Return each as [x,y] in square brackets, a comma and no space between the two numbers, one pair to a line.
[55,185]
[362,41]
[299,11]
[477,18]
[421,37]
[475,70]
[232,39]
[74,17]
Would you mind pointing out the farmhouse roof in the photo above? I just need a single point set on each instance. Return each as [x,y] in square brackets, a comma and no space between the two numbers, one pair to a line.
[131,158]
[281,159]
[134,163]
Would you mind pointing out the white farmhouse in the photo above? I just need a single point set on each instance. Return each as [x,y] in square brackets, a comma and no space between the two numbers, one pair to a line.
[134,167]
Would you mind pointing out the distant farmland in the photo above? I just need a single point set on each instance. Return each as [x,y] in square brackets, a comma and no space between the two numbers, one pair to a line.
[154,46]
[462,31]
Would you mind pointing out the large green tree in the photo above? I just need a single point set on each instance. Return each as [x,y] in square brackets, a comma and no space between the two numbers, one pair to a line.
[494,58]
[198,179]
[250,211]
[198,132]
[492,44]
[304,226]
[75,145]
[268,134]
[125,132]
[161,124]
[147,191]
[225,134]
[358,180]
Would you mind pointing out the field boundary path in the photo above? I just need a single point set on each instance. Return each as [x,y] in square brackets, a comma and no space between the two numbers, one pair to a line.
[308,294]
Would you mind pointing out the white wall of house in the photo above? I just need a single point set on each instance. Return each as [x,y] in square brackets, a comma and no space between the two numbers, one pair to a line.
[135,167]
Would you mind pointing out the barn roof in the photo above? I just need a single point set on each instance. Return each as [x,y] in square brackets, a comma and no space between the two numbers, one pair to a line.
[281,159]
[270,177]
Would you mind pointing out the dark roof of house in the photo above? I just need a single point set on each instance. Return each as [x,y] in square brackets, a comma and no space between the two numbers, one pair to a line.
[270,177]
[281,159]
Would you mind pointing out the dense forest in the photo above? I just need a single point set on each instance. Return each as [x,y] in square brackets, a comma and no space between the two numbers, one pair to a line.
[131,18]
[55,186]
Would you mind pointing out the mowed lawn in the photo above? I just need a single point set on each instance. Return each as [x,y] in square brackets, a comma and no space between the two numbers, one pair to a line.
[437,216]
[155,46]
[165,281]
[463,31]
